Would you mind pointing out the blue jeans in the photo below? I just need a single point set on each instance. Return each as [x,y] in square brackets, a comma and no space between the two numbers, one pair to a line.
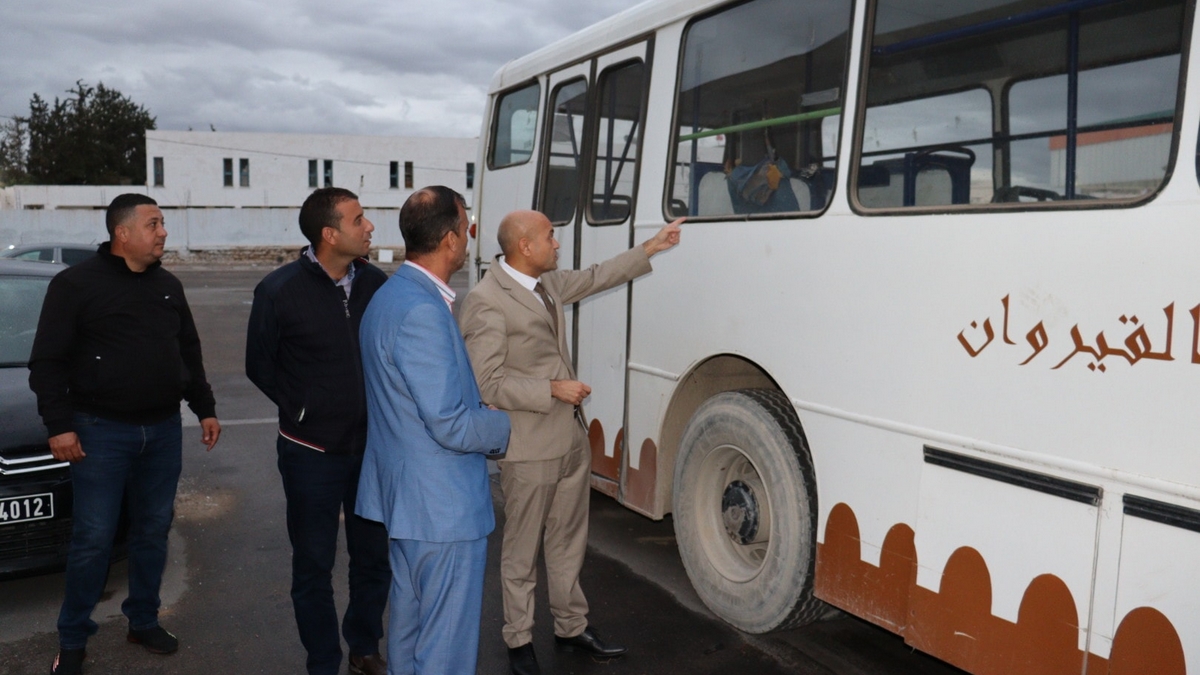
[143,461]
[320,488]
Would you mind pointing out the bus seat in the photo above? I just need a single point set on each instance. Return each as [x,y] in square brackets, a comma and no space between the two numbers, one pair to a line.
[803,192]
[712,197]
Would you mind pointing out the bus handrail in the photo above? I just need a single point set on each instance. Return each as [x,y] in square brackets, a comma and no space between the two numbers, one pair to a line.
[761,124]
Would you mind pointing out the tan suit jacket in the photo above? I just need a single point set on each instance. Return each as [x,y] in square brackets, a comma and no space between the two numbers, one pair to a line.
[515,353]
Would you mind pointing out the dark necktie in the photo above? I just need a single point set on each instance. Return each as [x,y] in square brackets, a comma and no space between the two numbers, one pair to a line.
[541,291]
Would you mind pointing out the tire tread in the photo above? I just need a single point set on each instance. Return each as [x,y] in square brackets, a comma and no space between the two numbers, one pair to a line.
[776,404]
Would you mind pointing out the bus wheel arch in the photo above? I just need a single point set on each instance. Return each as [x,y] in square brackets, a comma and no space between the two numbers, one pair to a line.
[745,510]
[707,378]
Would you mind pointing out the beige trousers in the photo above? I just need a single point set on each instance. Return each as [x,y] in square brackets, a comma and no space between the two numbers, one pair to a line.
[545,503]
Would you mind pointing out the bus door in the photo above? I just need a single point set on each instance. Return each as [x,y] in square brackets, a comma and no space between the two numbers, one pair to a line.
[601,322]
[560,180]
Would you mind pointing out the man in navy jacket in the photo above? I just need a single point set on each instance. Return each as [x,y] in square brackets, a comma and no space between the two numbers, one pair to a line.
[302,352]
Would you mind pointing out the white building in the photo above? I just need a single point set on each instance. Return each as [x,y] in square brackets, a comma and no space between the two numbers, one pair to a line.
[227,191]
[204,169]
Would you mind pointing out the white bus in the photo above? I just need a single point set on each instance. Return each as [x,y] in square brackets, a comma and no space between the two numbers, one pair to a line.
[930,346]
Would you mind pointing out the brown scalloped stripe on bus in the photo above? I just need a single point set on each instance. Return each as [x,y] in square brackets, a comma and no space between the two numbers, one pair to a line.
[606,471]
[877,594]
[955,623]
[640,483]
[1146,642]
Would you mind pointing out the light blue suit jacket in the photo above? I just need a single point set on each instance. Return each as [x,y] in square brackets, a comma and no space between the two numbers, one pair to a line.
[424,474]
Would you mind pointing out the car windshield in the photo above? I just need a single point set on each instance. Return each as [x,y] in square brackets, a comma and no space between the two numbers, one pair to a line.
[20,306]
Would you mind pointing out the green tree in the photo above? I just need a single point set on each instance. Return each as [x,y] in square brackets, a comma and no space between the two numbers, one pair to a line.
[14,151]
[94,136]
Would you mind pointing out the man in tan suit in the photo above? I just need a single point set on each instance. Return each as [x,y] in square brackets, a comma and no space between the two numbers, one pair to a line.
[513,326]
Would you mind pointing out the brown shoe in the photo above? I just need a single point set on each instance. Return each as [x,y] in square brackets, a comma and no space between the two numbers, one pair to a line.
[368,665]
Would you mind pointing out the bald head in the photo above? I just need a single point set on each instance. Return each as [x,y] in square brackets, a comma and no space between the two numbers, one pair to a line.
[527,240]
[514,227]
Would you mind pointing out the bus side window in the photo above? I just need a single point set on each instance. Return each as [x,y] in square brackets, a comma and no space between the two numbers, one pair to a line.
[758,109]
[1052,103]
[560,191]
[618,125]
[515,127]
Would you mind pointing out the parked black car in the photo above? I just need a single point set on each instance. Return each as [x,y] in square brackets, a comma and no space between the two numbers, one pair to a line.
[35,488]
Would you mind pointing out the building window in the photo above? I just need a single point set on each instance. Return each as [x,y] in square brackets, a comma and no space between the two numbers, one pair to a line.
[158,172]
[394,174]
[329,173]
[244,172]
[408,175]
[228,172]
[312,173]
[470,175]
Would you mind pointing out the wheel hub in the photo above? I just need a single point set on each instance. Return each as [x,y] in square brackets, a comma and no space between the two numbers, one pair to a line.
[740,513]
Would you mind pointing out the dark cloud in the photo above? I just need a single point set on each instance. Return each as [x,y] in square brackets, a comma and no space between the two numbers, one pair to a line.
[358,66]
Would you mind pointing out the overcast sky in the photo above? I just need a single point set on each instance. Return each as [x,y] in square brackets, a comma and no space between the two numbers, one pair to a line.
[376,67]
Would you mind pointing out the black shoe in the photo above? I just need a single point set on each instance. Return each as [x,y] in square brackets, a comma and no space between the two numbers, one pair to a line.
[68,662]
[156,640]
[372,664]
[589,642]
[522,660]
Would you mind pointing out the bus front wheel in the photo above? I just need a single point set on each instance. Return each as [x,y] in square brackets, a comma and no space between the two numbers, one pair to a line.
[745,511]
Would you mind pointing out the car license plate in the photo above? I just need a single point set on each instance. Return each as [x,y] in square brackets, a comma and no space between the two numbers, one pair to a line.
[26,507]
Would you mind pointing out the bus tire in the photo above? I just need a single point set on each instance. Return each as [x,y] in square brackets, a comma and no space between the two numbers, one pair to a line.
[745,511]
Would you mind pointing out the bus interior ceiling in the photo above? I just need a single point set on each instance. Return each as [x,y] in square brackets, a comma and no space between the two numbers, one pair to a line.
[937,61]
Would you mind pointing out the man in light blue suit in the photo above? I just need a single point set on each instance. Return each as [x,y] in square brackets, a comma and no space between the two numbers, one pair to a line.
[424,472]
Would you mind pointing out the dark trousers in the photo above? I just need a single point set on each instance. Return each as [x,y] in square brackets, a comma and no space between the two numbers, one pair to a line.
[320,487]
[146,461]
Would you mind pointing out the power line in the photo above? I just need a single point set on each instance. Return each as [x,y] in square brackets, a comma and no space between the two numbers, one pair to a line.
[296,156]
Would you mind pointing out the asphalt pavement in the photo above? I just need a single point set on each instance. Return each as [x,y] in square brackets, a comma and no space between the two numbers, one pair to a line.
[226,591]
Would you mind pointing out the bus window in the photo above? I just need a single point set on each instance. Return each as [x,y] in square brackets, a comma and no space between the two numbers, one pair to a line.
[939,177]
[758,109]
[1116,160]
[1000,102]
[515,127]
[618,126]
[560,191]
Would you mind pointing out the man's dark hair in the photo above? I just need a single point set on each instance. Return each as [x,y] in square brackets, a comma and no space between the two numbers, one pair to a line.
[426,217]
[319,211]
[122,207]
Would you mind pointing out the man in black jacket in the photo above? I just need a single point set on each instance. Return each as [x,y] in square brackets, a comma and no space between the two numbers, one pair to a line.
[302,352]
[116,349]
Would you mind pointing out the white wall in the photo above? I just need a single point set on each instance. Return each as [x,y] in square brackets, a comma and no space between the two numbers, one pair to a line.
[187,229]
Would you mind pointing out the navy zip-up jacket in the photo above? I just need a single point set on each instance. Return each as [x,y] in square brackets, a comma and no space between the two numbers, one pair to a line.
[302,352]
[118,344]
